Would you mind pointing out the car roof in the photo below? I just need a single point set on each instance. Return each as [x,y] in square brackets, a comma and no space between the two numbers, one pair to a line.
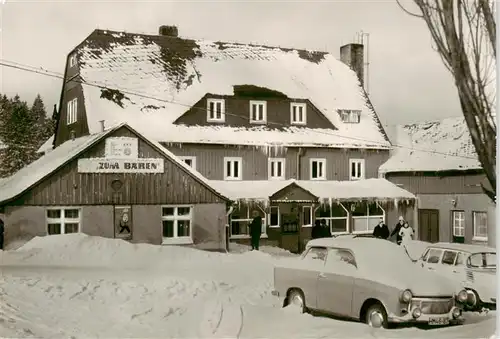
[348,242]
[462,247]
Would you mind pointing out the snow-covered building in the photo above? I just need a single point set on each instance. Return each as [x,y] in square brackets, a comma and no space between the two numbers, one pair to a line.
[437,162]
[287,132]
[117,184]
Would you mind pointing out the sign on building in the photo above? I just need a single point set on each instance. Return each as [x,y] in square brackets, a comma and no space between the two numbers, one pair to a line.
[122,148]
[104,165]
[123,222]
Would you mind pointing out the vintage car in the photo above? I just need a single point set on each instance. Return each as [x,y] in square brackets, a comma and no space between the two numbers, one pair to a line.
[367,279]
[473,265]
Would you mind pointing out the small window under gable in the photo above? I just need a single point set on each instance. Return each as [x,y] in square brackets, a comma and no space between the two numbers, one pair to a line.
[71,111]
[350,116]
[216,110]
[72,60]
[258,112]
[189,160]
[298,113]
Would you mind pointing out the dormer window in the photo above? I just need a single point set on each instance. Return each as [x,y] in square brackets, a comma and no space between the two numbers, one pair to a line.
[258,112]
[350,116]
[215,110]
[298,113]
[72,60]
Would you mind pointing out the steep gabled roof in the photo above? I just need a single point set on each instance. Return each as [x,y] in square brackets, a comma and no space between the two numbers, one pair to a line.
[28,176]
[171,74]
[443,145]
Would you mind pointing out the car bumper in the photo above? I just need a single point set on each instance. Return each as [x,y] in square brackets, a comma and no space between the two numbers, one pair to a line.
[431,319]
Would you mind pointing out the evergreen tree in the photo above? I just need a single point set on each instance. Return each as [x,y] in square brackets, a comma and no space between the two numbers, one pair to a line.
[19,131]
[40,119]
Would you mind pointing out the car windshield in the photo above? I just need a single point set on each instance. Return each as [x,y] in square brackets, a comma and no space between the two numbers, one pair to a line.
[485,260]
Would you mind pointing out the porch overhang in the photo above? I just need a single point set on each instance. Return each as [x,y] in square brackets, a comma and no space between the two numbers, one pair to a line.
[325,191]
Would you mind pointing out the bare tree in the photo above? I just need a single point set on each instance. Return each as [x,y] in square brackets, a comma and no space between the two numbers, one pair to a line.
[464,34]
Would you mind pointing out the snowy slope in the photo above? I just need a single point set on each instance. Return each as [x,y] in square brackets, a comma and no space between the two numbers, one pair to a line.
[89,287]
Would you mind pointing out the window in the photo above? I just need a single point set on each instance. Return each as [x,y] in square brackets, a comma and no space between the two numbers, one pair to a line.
[483,259]
[189,160]
[176,224]
[307,216]
[357,169]
[317,168]
[216,110]
[276,168]
[240,220]
[315,253]
[340,255]
[480,221]
[71,111]
[298,113]
[460,259]
[232,168]
[258,112]
[72,60]
[63,221]
[335,216]
[458,223]
[350,116]
[433,255]
[365,216]
[449,257]
[273,217]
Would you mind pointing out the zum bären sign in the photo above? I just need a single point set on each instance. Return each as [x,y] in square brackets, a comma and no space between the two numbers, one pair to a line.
[103,165]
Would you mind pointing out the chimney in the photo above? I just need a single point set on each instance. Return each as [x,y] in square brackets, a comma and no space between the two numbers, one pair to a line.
[170,31]
[353,56]
[102,125]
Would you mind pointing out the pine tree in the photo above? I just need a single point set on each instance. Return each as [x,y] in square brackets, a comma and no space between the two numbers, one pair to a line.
[19,132]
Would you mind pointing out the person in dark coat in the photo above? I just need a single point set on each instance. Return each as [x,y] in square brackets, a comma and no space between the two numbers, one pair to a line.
[316,230]
[396,229]
[381,231]
[325,230]
[255,230]
[1,234]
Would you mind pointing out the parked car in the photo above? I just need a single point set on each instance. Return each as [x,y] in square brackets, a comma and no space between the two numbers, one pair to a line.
[473,265]
[368,279]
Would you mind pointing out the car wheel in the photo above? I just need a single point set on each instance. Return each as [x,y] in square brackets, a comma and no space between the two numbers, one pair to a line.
[296,299]
[473,301]
[376,316]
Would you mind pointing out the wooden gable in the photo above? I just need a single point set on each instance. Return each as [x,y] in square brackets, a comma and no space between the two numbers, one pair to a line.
[293,193]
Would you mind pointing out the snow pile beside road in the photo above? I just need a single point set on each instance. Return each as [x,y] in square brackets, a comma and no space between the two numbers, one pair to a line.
[274,251]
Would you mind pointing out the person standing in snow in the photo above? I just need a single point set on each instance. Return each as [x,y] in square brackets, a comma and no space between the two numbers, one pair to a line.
[1,234]
[325,230]
[406,233]
[316,230]
[396,229]
[381,231]
[255,230]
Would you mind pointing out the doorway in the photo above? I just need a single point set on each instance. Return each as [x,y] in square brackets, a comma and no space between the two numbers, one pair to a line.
[428,225]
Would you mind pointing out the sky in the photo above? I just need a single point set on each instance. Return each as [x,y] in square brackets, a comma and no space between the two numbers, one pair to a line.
[407,79]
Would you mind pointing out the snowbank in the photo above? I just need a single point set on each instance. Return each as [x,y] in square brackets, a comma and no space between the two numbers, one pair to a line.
[274,251]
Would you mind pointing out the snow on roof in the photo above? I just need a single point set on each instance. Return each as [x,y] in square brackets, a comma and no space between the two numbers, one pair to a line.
[368,189]
[180,72]
[432,146]
[47,145]
[28,176]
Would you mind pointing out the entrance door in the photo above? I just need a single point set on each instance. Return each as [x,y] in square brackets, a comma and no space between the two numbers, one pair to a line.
[123,222]
[428,228]
[290,228]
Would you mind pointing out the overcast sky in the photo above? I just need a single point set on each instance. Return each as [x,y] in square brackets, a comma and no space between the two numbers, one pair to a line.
[407,80]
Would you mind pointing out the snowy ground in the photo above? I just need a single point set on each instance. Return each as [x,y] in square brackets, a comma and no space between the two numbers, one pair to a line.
[75,286]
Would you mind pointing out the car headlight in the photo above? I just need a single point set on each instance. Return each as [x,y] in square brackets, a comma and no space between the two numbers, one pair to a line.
[406,296]
[462,296]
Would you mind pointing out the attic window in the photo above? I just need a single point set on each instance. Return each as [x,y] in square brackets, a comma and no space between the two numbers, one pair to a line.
[350,116]
[72,60]
[215,110]
[298,113]
[258,112]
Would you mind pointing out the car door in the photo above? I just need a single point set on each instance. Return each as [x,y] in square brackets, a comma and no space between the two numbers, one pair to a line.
[307,277]
[448,260]
[432,259]
[336,282]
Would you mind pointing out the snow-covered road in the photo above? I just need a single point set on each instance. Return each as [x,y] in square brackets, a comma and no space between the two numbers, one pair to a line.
[153,292]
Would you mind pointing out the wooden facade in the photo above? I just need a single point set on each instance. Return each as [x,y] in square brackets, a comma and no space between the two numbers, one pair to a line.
[210,160]
[68,187]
